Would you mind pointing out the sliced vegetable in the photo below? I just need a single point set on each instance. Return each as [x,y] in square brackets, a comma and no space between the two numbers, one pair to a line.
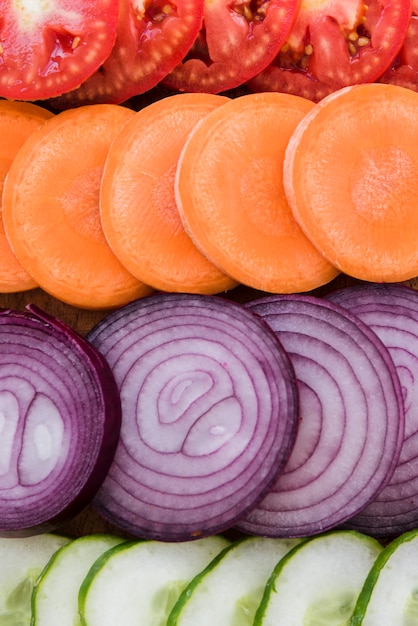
[60,419]
[51,209]
[389,594]
[152,38]
[55,595]
[351,418]
[22,561]
[18,120]
[48,48]
[150,576]
[229,193]
[236,41]
[318,581]
[404,70]
[137,205]
[334,44]
[350,177]
[228,591]
[392,312]
[209,408]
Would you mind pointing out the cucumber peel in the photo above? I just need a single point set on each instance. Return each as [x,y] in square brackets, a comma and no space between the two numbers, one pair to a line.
[137,582]
[55,594]
[228,591]
[317,582]
[390,592]
[22,562]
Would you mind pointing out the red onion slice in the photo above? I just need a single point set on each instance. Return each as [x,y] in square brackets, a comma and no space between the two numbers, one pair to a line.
[209,408]
[351,418]
[392,313]
[59,422]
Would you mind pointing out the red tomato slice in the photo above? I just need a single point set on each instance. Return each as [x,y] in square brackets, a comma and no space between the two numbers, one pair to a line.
[237,40]
[49,47]
[152,37]
[404,70]
[336,43]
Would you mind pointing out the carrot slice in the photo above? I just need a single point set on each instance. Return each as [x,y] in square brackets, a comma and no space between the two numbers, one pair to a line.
[230,195]
[351,175]
[18,120]
[138,210]
[51,209]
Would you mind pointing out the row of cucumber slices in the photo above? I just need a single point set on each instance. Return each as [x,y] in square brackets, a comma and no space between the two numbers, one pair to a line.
[339,578]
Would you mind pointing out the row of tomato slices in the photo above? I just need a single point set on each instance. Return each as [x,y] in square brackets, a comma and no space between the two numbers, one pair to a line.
[72,52]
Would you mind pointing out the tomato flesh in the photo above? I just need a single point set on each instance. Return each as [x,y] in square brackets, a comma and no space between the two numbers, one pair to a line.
[404,70]
[152,38]
[336,43]
[237,40]
[47,48]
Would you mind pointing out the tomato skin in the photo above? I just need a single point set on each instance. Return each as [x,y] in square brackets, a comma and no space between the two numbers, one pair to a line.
[49,48]
[149,44]
[404,70]
[336,58]
[235,43]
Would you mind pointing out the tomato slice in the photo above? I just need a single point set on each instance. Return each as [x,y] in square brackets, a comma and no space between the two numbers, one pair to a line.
[404,70]
[152,38]
[237,40]
[49,47]
[335,43]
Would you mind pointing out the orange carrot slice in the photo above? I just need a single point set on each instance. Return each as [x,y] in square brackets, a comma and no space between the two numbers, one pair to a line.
[51,209]
[351,175]
[230,196]
[138,209]
[18,120]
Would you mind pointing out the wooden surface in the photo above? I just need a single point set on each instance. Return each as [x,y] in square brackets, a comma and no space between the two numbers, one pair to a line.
[88,521]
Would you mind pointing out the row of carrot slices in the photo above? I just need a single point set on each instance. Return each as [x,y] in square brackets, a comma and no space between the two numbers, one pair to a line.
[199,193]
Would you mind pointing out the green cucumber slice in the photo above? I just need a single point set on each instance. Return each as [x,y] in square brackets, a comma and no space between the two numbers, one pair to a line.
[229,590]
[390,593]
[21,563]
[55,596]
[318,582]
[138,582]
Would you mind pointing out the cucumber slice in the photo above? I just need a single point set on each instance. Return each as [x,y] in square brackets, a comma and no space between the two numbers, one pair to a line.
[55,596]
[229,590]
[318,582]
[390,593]
[138,582]
[22,561]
